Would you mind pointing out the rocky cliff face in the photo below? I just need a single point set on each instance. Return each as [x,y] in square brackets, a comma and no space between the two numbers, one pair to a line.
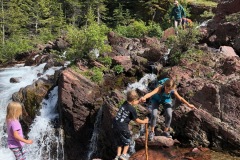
[224,28]
[79,101]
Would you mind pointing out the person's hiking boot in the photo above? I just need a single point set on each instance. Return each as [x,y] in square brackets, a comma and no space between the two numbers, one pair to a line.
[116,158]
[151,136]
[124,157]
[167,134]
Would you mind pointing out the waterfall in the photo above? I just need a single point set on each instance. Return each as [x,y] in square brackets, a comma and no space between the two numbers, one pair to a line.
[142,84]
[94,139]
[27,75]
[43,133]
[204,24]
[165,56]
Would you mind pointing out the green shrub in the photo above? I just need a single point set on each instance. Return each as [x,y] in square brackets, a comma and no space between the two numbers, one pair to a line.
[154,30]
[45,35]
[118,69]
[180,44]
[207,14]
[106,61]
[14,45]
[86,39]
[97,75]
[136,29]
[235,17]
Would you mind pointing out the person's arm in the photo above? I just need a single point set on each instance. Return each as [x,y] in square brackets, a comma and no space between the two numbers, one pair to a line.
[150,94]
[181,99]
[141,121]
[19,138]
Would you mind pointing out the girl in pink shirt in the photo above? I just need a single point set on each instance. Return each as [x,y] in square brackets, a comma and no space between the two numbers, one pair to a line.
[15,138]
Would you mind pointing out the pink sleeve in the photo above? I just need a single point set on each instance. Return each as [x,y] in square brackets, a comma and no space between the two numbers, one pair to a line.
[15,125]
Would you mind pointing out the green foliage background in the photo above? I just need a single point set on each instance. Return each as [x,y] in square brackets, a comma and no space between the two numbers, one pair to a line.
[85,23]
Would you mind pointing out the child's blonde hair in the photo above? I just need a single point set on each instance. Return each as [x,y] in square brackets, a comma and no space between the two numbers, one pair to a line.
[170,84]
[14,110]
[132,95]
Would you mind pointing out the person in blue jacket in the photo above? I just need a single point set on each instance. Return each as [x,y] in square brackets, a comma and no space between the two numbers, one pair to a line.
[178,13]
[163,94]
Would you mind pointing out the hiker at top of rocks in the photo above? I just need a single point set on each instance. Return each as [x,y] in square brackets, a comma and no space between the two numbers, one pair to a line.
[125,114]
[165,93]
[178,13]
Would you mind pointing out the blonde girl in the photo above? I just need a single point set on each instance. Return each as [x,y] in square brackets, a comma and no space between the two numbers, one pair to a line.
[14,130]
[165,94]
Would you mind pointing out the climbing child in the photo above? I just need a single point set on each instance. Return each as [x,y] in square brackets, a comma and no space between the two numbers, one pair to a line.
[14,130]
[165,94]
[125,114]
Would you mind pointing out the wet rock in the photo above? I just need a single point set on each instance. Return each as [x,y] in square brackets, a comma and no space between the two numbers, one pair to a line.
[157,141]
[15,80]
[124,61]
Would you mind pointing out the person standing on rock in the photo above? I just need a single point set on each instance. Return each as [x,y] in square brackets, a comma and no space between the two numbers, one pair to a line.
[166,93]
[178,13]
[14,130]
[125,114]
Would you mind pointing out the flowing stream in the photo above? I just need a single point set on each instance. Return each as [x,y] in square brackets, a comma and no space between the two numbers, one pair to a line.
[27,75]
[94,140]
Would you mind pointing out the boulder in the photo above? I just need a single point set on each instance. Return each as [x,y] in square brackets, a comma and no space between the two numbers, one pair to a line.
[79,103]
[157,141]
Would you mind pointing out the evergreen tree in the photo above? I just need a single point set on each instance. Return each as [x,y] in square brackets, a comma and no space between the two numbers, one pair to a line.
[16,17]
[72,10]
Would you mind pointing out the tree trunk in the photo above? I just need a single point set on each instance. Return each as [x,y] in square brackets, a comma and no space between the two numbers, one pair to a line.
[3,27]
[98,15]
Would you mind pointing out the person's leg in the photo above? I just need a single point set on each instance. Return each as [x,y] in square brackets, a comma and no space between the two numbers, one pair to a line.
[180,23]
[119,150]
[124,155]
[154,116]
[23,151]
[176,27]
[117,135]
[17,153]
[168,118]
[183,23]
[125,149]
[125,137]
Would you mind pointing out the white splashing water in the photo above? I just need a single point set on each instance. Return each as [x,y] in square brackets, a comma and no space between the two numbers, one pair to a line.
[165,56]
[27,75]
[142,84]
[204,24]
[43,133]
[94,139]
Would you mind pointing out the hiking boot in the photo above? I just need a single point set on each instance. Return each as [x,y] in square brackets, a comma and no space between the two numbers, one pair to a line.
[167,134]
[151,136]
[124,157]
[116,158]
